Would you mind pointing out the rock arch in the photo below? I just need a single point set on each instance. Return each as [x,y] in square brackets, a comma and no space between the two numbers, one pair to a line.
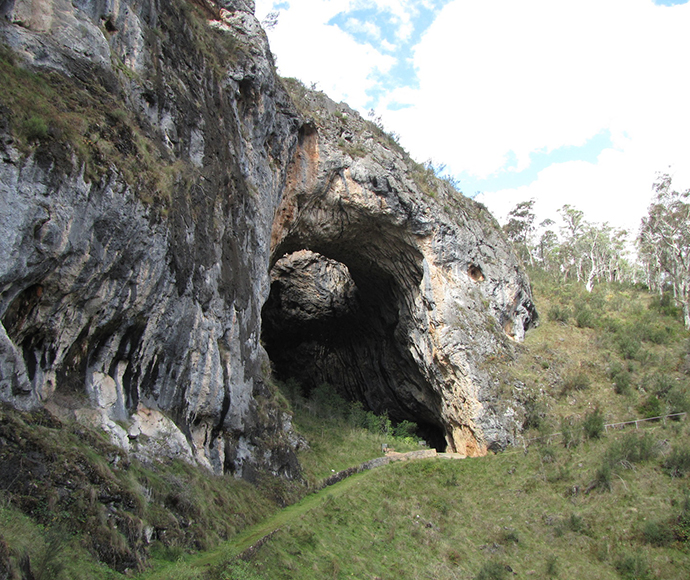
[374,289]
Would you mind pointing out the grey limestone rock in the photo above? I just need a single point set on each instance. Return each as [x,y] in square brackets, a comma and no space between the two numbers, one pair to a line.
[291,218]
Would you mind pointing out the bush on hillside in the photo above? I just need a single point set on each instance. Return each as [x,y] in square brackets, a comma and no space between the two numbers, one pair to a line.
[651,407]
[558,313]
[593,424]
[632,448]
[677,464]
[576,380]
[493,570]
[621,377]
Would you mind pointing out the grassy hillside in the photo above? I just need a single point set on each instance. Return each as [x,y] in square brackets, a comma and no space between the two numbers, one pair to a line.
[577,501]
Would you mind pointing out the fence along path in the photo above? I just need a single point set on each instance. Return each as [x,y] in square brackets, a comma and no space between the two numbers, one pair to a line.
[621,425]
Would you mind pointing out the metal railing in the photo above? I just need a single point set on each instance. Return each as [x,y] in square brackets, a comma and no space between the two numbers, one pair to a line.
[620,425]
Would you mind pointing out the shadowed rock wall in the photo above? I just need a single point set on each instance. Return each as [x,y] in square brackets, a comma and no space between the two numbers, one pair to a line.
[436,291]
[132,298]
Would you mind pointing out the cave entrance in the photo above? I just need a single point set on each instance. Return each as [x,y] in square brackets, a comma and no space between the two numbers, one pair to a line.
[343,322]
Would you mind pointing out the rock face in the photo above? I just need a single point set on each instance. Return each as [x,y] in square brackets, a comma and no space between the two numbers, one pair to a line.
[139,243]
[431,290]
[145,314]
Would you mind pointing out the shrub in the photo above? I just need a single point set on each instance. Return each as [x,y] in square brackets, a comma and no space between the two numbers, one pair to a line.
[657,533]
[35,128]
[534,413]
[632,567]
[632,449]
[678,400]
[593,424]
[603,478]
[569,433]
[661,385]
[681,529]
[576,381]
[492,571]
[621,377]
[628,345]
[328,401]
[666,305]
[573,523]
[558,313]
[651,407]
[405,429]
[584,318]
[677,464]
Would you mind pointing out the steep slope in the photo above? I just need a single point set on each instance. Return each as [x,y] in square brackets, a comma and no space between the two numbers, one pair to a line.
[153,170]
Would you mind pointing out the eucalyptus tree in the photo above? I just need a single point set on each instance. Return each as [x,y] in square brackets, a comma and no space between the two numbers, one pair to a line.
[664,242]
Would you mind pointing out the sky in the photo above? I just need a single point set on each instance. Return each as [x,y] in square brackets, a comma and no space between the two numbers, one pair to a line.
[579,102]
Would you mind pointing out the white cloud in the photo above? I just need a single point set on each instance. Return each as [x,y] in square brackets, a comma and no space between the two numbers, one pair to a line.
[368,28]
[499,76]
[313,51]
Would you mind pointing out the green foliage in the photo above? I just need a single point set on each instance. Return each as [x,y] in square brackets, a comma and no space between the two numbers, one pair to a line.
[632,448]
[593,424]
[681,526]
[35,128]
[665,306]
[603,478]
[573,523]
[628,342]
[62,117]
[632,567]
[585,318]
[621,377]
[677,464]
[558,313]
[492,570]
[534,413]
[657,533]
[570,433]
[576,380]
[651,407]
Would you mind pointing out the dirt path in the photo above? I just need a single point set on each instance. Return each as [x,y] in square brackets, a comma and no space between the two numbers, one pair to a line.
[247,542]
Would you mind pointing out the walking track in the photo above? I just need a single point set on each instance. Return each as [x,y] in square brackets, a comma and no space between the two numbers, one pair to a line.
[247,542]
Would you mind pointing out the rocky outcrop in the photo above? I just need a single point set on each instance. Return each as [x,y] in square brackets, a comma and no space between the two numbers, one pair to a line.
[133,305]
[426,293]
[144,203]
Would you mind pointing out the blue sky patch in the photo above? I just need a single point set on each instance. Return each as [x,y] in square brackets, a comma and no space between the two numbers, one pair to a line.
[508,178]
[670,2]
[385,32]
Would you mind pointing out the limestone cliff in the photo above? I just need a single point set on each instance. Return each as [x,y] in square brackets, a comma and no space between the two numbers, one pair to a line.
[156,175]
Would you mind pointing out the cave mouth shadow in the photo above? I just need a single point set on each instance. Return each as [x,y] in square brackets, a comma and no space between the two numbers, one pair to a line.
[323,323]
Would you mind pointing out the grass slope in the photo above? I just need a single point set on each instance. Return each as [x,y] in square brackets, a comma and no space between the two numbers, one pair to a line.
[590,504]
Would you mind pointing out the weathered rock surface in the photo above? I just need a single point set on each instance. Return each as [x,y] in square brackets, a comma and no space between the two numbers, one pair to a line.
[148,320]
[143,313]
[437,290]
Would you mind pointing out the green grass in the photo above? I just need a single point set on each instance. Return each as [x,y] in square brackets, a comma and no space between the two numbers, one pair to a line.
[68,496]
[450,519]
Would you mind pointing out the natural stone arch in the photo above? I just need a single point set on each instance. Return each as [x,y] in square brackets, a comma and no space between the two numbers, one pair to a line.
[437,290]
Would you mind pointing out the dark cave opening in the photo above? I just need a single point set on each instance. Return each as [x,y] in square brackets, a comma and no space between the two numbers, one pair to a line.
[327,322]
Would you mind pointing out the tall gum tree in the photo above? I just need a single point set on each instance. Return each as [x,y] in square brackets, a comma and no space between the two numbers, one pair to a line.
[664,242]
